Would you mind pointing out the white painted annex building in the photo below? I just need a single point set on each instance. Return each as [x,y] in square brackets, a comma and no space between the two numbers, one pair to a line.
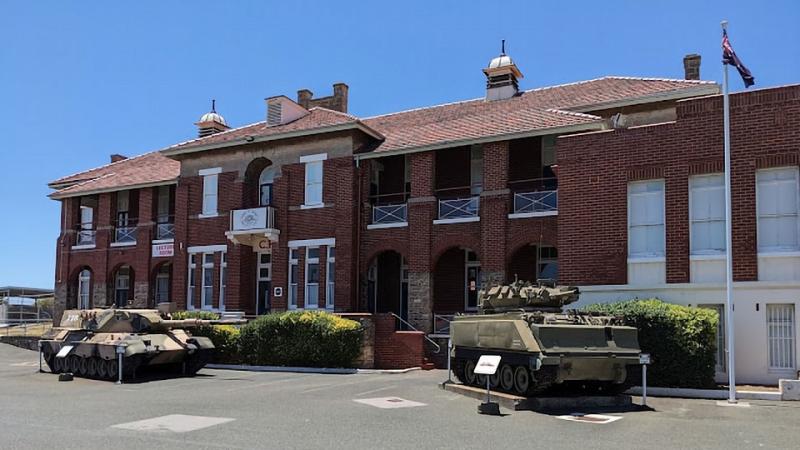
[765,311]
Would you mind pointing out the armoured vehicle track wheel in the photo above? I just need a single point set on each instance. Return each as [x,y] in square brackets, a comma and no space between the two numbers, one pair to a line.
[101,369]
[469,372]
[480,380]
[58,365]
[506,378]
[74,363]
[522,380]
[91,367]
[83,366]
[111,369]
[494,380]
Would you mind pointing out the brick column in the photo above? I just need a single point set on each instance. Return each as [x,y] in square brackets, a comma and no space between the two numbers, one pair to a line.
[180,260]
[676,205]
[494,209]
[421,213]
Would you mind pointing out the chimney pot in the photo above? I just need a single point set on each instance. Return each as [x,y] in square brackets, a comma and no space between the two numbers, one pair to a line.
[691,66]
[304,97]
[117,157]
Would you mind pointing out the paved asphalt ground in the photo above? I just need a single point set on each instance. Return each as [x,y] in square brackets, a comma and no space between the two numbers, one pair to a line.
[310,411]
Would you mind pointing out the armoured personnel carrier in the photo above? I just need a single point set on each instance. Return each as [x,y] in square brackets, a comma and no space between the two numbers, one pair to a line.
[543,346]
[87,342]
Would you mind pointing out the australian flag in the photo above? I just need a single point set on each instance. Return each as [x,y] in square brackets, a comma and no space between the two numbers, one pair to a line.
[729,57]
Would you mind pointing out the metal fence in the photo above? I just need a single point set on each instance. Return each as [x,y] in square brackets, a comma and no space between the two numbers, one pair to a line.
[535,202]
[458,208]
[383,214]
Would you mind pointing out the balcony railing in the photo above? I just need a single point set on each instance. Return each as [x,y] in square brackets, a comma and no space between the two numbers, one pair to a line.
[384,214]
[459,208]
[125,234]
[261,218]
[85,236]
[165,230]
[536,202]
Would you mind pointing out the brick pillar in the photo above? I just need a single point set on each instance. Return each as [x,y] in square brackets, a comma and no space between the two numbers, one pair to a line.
[180,260]
[144,229]
[676,219]
[345,189]
[421,213]
[495,200]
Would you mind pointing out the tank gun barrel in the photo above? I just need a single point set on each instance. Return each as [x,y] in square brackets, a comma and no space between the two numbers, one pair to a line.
[191,323]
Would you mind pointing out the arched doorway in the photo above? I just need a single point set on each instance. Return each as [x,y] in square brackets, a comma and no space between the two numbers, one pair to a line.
[456,281]
[123,286]
[387,284]
[162,284]
[83,290]
[258,179]
[533,263]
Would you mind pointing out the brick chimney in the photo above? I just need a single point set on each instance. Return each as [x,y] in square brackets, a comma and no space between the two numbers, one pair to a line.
[336,102]
[116,157]
[691,67]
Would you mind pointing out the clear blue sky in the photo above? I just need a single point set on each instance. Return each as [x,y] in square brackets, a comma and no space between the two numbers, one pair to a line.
[82,80]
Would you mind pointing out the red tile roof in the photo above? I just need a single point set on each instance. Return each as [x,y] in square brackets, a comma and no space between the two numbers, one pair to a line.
[148,169]
[555,107]
[536,109]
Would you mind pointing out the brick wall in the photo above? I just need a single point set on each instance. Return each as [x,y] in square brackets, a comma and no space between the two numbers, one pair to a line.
[396,349]
[595,169]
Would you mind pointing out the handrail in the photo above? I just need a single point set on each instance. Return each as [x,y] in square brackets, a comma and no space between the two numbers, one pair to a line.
[438,348]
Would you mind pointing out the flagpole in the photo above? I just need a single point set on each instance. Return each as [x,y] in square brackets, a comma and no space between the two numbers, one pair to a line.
[728,236]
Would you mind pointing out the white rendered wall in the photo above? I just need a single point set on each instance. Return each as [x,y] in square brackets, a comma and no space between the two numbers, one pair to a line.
[750,324]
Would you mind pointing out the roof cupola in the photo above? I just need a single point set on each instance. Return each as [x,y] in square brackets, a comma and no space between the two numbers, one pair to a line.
[501,76]
[211,122]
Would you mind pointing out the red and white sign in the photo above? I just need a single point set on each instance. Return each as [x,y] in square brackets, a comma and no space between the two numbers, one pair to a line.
[162,250]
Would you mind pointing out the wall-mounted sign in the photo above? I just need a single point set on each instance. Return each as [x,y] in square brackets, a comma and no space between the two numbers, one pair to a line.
[162,250]
[277,292]
[262,244]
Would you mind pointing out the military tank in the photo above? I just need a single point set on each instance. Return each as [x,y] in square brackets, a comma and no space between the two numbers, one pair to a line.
[542,346]
[87,342]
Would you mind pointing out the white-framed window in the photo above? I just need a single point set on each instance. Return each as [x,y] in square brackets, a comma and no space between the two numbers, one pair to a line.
[472,280]
[313,183]
[781,337]
[646,219]
[163,283]
[777,204]
[122,286]
[207,294]
[192,281]
[330,276]
[293,276]
[313,180]
[312,278]
[707,214]
[547,263]
[475,170]
[84,284]
[223,275]
[265,181]
[210,189]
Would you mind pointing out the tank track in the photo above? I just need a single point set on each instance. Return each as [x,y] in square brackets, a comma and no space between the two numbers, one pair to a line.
[94,367]
[540,381]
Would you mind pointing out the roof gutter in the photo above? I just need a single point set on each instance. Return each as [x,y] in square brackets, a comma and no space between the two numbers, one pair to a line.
[682,94]
[589,126]
[274,137]
[58,196]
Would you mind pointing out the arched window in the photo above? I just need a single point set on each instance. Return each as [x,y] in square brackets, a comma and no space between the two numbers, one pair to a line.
[122,286]
[163,282]
[84,283]
[265,181]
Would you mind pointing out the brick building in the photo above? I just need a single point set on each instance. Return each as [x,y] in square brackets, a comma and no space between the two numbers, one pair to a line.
[405,213]
[642,214]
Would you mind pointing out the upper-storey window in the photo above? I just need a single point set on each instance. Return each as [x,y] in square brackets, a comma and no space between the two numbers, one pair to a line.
[646,219]
[313,179]
[265,181]
[707,214]
[210,186]
[475,170]
[777,200]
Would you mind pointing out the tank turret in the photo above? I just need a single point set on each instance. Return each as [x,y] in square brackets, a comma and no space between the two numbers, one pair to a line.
[88,341]
[526,296]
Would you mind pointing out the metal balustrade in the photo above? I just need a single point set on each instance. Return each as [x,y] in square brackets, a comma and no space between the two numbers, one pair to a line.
[165,231]
[383,214]
[441,323]
[85,237]
[459,208]
[125,234]
[536,202]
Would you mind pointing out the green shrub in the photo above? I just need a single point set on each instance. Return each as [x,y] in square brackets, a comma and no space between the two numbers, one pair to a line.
[308,339]
[681,340]
[203,315]
[226,342]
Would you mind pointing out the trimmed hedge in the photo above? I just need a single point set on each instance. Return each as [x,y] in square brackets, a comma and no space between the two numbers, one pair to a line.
[682,341]
[301,338]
